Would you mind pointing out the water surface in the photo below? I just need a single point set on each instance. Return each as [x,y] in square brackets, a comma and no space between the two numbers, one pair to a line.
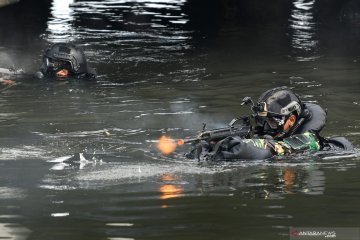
[79,159]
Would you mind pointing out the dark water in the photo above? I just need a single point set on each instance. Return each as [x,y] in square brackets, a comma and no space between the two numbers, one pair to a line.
[78,159]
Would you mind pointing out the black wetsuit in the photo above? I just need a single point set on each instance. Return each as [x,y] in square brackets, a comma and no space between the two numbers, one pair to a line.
[305,138]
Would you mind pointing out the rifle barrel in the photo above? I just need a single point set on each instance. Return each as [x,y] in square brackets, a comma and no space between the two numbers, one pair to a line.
[217,134]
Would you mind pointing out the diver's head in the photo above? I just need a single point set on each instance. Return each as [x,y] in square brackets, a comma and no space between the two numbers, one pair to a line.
[64,60]
[277,111]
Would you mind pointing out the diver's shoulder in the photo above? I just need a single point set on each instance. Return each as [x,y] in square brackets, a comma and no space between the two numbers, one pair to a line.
[338,144]
[316,120]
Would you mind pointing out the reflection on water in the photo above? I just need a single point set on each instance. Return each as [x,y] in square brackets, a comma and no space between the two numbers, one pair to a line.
[121,21]
[11,193]
[289,177]
[9,226]
[123,37]
[169,189]
[13,231]
[60,23]
[303,37]
[267,180]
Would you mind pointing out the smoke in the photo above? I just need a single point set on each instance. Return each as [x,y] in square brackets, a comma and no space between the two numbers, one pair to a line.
[17,59]
[194,115]
[5,60]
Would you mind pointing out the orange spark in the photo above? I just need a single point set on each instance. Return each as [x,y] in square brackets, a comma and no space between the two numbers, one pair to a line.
[181,142]
[166,145]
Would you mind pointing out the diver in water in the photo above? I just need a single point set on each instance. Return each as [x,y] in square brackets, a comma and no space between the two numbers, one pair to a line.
[62,61]
[279,113]
[283,125]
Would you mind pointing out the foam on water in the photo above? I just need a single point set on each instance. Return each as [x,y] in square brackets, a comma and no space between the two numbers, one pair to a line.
[23,152]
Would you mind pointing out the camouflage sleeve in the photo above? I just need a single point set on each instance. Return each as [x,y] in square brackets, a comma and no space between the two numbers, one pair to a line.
[297,143]
[294,144]
[257,148]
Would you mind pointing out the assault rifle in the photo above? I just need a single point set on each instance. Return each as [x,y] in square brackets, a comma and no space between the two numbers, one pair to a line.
[234,129]
[243,130]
